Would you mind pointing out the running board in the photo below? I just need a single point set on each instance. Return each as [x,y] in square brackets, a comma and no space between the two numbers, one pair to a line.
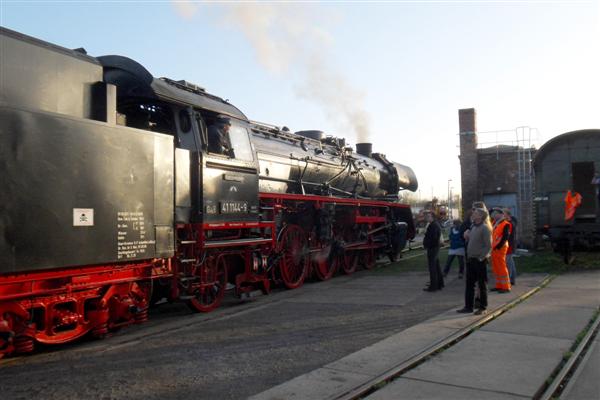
[235,242]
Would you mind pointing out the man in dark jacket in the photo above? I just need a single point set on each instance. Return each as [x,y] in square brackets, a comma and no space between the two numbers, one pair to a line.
[218,136]
[431,243]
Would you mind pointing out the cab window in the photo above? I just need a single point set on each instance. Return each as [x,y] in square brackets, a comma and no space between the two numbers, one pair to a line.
[146,116]
[240,143]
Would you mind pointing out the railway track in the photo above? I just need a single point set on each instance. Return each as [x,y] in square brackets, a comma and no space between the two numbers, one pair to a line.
[295,330]
[576,360]
[166,323]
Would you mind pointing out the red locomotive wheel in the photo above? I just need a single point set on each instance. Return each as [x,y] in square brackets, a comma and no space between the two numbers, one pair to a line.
[350,261]
[367,259]
[295,258]
[211,289]
[324,266]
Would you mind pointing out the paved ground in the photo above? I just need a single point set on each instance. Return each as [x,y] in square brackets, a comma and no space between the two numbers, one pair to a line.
[346,374]
[240,350]
[512,356]
[509,358]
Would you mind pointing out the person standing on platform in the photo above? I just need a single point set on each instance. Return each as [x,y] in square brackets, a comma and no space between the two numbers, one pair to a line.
[510,261]
[500,237]
[457,249]
[431,243]
[478,251]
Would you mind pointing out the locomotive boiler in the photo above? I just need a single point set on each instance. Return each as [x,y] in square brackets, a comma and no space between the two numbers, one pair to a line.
[113,198]
[308,162]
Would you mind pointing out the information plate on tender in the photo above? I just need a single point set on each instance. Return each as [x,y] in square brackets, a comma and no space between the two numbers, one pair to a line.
[234,207]
[132,240]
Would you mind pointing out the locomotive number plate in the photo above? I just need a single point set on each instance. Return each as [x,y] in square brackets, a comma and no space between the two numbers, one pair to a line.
[234,207]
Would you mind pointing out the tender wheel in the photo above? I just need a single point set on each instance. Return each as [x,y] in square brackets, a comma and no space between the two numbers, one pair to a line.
[295,258]
[100,331]
[210,289]
[325,265]
[23,344]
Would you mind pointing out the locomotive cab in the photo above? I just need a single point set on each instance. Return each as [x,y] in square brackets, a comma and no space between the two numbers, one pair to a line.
[229,177]
[215,182]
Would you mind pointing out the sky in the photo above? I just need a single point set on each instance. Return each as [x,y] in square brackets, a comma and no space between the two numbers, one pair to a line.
[393,73]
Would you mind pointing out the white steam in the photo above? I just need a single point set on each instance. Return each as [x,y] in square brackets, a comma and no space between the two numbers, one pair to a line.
[186,9]
[288,36]
[341,101]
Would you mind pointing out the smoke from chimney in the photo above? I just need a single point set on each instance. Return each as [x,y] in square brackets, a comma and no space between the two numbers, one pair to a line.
[186,9]
[341,101]
[285,36]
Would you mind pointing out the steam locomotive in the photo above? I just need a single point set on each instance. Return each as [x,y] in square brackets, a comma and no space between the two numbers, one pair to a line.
[111,199]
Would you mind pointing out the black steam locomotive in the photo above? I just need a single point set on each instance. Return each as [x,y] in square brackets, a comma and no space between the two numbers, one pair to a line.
[114,197]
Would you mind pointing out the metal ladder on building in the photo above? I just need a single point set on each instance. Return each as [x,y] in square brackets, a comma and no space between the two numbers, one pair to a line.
[525,177]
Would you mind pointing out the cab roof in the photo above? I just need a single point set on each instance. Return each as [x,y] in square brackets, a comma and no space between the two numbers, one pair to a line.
[135,81]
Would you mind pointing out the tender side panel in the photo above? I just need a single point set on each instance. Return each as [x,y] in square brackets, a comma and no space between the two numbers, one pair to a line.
[77,192]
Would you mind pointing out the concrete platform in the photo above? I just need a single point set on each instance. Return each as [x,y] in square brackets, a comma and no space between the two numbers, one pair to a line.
[579,280]
[568,297]
[533,319]
[506,363]
[509,358]
[513,355]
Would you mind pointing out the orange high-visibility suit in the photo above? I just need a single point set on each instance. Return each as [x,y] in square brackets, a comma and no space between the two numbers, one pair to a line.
[499,250]
[572,201]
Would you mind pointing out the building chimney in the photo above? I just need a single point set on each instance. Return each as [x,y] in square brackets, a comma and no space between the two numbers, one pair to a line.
[467,122]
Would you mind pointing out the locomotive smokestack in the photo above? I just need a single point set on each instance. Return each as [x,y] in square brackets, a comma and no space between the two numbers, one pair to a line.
[364,149]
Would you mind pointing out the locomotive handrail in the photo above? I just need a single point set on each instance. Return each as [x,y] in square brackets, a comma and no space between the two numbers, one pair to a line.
[230,167]
[350,195]
[331,199]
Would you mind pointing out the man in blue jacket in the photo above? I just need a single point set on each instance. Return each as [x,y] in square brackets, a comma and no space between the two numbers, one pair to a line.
[457,249]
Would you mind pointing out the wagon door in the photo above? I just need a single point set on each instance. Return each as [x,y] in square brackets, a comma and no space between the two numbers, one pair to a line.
[583,174]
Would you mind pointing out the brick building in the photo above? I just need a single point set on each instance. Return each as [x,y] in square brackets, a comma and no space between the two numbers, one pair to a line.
[501,175]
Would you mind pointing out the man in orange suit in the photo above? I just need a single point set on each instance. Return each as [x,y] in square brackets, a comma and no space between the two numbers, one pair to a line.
[500,237]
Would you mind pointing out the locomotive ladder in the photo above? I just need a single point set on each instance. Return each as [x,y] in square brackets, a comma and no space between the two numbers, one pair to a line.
[185,247]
